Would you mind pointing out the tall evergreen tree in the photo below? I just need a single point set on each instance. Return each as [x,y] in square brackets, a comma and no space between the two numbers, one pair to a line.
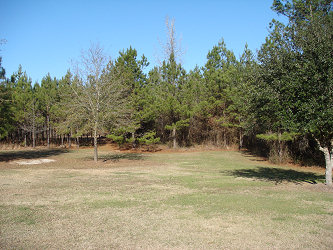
[297,69]
[128,69]
[220,79]
[6,107]
[241,94]
[47,96]
[27,115]
[65,116]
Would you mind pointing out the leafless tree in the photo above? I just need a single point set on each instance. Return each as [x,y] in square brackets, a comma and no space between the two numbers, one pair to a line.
[172,45]
[99,99]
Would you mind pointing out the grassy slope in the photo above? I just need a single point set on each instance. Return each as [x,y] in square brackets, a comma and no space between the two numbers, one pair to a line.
[175,200]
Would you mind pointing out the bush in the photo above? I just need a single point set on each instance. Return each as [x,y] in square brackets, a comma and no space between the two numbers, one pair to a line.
[150,140]
[119,139]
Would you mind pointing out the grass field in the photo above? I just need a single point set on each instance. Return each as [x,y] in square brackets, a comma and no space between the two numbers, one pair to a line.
[193,200]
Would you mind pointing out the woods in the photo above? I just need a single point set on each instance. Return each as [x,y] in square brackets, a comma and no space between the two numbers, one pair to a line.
[278,101]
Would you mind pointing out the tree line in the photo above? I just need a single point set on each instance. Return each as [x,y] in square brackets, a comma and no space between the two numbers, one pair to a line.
[278,101]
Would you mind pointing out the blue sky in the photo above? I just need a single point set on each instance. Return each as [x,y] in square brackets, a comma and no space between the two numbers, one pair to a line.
[43,36]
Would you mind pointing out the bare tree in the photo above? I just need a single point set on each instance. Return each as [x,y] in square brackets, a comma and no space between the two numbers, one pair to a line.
[99,99]
[172,46]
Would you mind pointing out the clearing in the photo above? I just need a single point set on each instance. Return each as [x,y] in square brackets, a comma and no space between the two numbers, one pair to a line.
[170,200]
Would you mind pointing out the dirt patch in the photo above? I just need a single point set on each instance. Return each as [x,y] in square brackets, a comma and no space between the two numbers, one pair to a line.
[320,188]
[33,161]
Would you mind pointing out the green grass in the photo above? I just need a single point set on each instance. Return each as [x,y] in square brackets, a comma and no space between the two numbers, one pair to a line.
[189,200]
[19,214]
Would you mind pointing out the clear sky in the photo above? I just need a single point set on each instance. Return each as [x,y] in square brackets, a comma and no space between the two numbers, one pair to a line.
[43,36]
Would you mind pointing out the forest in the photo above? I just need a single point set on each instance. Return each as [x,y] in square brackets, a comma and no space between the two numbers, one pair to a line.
[276,102]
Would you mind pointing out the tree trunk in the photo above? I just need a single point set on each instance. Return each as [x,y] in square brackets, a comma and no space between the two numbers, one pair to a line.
[328,152]
[174,137]
[48,131]
[78,142]
[25,139]
[280,147]
[62,140]
[18,136]
[95,144]
[133,140]
[33,130]
[225,144]
[217,137]
[329,166]
[70,139]
[240,139]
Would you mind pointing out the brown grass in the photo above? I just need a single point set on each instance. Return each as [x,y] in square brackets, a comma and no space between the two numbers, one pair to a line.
[157,201]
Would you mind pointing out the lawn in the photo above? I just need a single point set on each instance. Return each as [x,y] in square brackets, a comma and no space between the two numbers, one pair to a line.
[167,200]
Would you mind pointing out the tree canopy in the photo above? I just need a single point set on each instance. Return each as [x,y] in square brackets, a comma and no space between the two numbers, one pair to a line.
[277,101]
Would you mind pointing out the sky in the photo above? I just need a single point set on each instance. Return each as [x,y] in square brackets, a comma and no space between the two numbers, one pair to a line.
[45,36]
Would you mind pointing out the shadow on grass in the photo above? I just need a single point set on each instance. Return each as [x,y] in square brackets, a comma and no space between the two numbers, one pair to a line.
[118,157]
[30,154]
[277,175]
[251,156]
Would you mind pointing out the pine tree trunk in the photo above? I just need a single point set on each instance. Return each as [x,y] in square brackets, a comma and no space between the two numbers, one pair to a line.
[240,139]
[133,138]
[217,138]
[78,142]
[62,140]
[33,130]
[48,131]
[174,137]
[280,147]
[18,136]
[70,139]
[225,144]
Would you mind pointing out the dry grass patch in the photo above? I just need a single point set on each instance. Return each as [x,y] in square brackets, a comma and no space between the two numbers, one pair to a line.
[172,200]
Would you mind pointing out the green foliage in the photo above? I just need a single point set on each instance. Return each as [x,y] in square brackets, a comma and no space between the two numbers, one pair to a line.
[26,103]
[118,135]
[295,87]
[130,140]
[64,117]
[48,96]
[119,139]
[6,107]
[219,71]
[178,125]
[283,91]
[285,136]
[6,110]
[149,138]
[306,43]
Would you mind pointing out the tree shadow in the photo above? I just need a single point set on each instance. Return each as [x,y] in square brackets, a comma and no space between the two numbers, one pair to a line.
[118,157]
[251,156]
[277,175]
[30,154]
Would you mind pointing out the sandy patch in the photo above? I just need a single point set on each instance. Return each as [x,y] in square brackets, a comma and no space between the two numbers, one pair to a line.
[34,161]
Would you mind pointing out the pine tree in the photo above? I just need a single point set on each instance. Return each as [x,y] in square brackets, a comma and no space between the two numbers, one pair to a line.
[47,96]
[27,114]
[220,79]
[6,108]
[128,69]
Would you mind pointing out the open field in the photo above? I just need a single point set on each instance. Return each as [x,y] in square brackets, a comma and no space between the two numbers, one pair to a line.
[193,200]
